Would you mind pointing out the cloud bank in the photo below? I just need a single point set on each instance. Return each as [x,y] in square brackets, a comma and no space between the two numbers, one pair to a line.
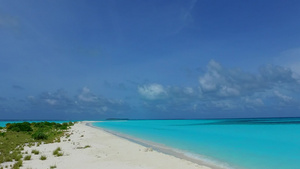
[218,92]
[60,105]
[152,91]
[222,90]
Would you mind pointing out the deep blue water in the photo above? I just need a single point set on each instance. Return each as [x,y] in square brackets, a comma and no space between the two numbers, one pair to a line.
[242,143]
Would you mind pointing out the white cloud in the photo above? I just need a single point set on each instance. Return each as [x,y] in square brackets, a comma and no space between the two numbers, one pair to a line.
[283,97]
[211,78]
[254,102]
[215,80]
[228,91]
[222,82]
[224,104]
[31,97]
[104,108]
[184,18]
[152,91]
[86,95]
[188,90]
[51,101]
[291,59]
[85,90]
[207,83]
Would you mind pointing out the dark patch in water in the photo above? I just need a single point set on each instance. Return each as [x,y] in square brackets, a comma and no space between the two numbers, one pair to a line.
[249,122]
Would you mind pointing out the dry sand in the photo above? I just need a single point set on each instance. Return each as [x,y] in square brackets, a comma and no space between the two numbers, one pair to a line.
[106,151]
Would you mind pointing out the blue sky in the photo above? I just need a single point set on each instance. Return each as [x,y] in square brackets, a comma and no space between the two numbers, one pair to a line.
[74,59]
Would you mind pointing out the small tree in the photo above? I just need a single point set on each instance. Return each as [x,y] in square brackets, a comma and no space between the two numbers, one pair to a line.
[39,136]
[25,126]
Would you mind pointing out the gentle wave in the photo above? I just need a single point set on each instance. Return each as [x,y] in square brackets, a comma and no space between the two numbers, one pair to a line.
[246,143]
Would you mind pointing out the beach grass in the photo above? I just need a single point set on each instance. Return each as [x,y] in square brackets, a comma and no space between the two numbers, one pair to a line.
[15,136]
[36,152]
[43,157]
[57,152]
[18,157]
[18,164]
[28,157]
[53,166]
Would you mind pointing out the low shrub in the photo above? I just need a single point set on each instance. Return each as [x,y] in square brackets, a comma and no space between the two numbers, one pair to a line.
[43,157]
[64,126]
[2,134]
[8,159]
[52,166]
[57,152]
[39,135]
[18,164]
[36,152]
[14,136]
[28,157]
[60,154]
[25,126]
[18,157]
[87,146]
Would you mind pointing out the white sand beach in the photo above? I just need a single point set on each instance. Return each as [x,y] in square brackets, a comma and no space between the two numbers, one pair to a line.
[88,147]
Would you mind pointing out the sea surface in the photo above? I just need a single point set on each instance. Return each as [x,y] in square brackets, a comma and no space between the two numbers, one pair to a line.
[233,143]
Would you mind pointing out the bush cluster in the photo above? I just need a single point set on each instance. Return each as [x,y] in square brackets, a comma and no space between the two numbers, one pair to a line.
[44,127]
[36,152]
[18,164]
[57,152]
[2,134]
[43,157]
[17,135]
[25,126]
[28,157]
[48,125]
[39,135]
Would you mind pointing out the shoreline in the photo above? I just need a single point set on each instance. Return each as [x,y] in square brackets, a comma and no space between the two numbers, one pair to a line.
[181,154]
[84,146]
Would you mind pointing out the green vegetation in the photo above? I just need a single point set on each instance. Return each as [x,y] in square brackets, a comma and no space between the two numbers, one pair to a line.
[36,152]
[15,136]
[39,135]
[43,157]
[53,166]
[87,146]
[18,157]
[2,134]
[18,164]
[25,126]
[57,152]
[28,157]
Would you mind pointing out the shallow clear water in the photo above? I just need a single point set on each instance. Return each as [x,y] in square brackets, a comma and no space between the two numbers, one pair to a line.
[242,143]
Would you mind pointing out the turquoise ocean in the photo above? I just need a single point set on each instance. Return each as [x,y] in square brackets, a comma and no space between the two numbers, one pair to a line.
[235,143]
